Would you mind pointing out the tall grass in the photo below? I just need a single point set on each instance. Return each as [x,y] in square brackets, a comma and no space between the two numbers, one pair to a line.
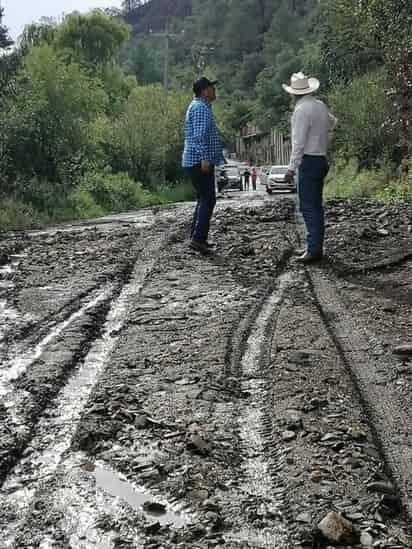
[346,180]
[97,194]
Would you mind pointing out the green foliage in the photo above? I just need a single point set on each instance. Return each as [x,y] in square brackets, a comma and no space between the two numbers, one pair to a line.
[37,34]
[91,40]
[113,192]
[148,131]
[362,108]
[47,126]
[347,48]
[346,180]
[5,40]
[15,214]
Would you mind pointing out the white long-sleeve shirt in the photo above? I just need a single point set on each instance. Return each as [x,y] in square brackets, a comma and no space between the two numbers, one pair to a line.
[311,123]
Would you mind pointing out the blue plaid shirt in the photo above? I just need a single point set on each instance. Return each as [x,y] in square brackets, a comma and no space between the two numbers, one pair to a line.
[202,138]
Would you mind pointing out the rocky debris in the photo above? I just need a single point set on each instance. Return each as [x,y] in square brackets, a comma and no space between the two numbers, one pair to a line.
[335,528]
[381,488]
[165,412]
[366,540]
[198,444]
[287,436]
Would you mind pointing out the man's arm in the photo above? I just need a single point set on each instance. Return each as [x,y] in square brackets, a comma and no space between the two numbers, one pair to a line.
[202,120]
[300,128]
[332,121]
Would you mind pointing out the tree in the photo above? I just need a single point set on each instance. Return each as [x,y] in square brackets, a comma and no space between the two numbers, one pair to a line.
[147,130]
[5,40]
[130,5]
[49,122]
[390,22]
[91,40]
[36,34]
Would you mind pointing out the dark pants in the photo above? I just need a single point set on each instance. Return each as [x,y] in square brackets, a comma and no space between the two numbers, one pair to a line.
[204,187]
[312,173]
[247,182]
[254,183]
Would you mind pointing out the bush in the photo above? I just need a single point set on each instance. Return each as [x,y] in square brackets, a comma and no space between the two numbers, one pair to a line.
[83,205]
[114,192]
[166,194]
[48,127]
[17,215]
[346,180]
[363,109]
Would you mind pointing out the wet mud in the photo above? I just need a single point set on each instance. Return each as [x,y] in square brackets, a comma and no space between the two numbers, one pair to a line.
[152,397]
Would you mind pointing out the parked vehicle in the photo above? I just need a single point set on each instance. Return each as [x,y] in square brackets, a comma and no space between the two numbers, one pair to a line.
[276,180]
[229,178]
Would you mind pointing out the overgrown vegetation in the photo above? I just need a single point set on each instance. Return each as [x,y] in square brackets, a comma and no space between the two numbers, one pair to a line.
[79,136]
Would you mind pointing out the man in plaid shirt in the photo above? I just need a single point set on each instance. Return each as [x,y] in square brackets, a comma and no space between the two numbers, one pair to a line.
[203,151]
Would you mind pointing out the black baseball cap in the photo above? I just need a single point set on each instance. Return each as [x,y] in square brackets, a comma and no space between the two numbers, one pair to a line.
[202,84]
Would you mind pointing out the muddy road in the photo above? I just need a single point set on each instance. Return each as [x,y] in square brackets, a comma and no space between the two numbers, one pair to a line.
[154,398]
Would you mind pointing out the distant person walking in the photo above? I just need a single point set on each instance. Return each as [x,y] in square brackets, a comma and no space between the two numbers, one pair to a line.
[202,152]
[246,175]
[254,178]
[311,124]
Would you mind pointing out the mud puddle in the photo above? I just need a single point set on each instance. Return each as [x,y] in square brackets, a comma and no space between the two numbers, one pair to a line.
[139,499]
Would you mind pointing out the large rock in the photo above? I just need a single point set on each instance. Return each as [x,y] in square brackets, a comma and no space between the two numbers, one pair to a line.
[334,527]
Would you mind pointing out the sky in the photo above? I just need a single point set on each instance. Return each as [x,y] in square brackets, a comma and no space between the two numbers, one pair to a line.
[18,13]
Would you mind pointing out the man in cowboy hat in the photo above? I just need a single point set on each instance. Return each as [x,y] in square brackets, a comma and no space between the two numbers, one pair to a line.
[311,124]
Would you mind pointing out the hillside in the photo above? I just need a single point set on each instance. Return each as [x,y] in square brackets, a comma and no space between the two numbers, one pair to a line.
[154,14]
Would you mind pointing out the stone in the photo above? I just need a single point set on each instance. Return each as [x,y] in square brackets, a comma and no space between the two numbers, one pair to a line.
[198,444]
[200,495]
[316,476]
[381,488]
[357,434]
[366,540]
[288,435]
[140,421]
[304,517]
[293,420]
[335,528]
[403,350]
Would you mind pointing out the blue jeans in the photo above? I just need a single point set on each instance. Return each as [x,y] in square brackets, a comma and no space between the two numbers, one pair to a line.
[204,187]
[312,173]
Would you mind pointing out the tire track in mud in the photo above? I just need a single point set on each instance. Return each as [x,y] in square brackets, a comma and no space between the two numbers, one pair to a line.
[33,332]
[261,484]
[369,364]
[19,361]
[58,424]
[26,397]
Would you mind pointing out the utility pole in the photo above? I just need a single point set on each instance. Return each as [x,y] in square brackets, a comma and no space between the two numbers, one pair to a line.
[167,35]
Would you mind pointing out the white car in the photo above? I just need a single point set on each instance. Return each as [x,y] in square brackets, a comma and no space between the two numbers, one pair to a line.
[276,180]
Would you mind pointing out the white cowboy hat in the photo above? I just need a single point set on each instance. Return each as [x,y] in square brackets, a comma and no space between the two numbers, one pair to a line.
[301,84]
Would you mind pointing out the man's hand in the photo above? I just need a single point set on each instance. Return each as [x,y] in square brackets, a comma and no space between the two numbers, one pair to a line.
[290,176]
[205,166]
